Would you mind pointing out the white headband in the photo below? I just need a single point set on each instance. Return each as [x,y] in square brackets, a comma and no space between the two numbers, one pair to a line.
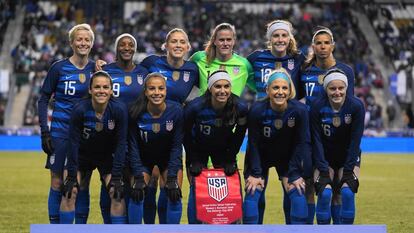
[276,26]
[218,76]
[122,36]
[334,76]
[323,30]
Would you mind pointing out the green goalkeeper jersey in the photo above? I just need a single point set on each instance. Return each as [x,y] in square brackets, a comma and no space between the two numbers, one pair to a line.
[238,67]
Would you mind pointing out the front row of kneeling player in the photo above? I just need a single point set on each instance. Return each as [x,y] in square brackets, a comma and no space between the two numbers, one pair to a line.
[279,135]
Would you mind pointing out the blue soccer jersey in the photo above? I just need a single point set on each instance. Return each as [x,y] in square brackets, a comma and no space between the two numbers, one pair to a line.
[94,137]
[126,85]
[337,135]
[278,138]
[68,84]
[180,81]
[311,81]
[264,62]
[207,133]
[157,139]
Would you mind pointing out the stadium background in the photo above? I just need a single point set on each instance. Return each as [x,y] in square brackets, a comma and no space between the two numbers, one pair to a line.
[375,37]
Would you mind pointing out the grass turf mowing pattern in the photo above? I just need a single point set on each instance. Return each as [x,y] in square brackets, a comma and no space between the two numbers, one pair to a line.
[384,197]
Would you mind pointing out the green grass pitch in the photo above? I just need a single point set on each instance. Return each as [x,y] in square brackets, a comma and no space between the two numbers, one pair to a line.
[385,197]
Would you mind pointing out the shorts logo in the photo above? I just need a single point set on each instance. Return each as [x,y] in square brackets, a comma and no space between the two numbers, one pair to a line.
[278,123]
[186,76]
[217,188]
[176,75]
[52,159]
[127,80]
[156,127]
[98,126]
[82,77]
[291,64]
[236,70]
[140,79]
[169,125]
[336,121]
[348,119]
[111,124]
[291,122]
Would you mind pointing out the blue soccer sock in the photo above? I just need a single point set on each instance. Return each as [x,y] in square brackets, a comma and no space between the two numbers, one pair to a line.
[262,206]
[251,208]
[286,206]
[55,197]
[191,208]
[336,214]
[348,206]
[118,219]
[150,205]
[323,207]
[105,203]
[162,206]
[135,212]
[67,217]
[82,207]
[174,211]
[311,213]
[299,207]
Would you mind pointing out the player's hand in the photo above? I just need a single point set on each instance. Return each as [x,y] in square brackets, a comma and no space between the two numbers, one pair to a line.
[173,190]
[47,142]
[321,182]
[300,185]
[98,64]
[253,183]
[230,168]
[69,184]
[138,189]
[351,179]
[118,187]
[195,168]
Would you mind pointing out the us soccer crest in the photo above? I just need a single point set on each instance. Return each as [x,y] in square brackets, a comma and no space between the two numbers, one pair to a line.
[336,121]
[169,125]
[127,80]
[348,119]
[186,76]
[291,64]
[140,79]
[98,126]
[236,70]
[111,124]
[176,75]
[82,78]
[217,188]
[291,122]
[156,127]
[278,65]
[320,78]
[278,123]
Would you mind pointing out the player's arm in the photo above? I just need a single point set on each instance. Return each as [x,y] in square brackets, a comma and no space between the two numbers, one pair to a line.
[75,134]
[357,130]
[134,157]
[318,153]
[251,84]
[239,131]
[175,161]
[189,120]
[252,157]
[121,123]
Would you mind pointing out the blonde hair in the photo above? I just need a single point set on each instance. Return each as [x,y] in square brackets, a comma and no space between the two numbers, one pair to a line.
[292,93]
[174,30]
[210,47]
[292,48]
[83,26]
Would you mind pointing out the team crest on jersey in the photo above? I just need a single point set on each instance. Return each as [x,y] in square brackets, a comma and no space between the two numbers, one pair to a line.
[320,78]
[127,80]
[156,127]
[291,122]
[218,188]
[82,78]
[176,75]
[169,125]
[278,65]
[98,126]
[348,119]
[236,70]
[278,123]
[336,121]
[186,76]
[218,122]
[111,124]
[291,64]
[140,79]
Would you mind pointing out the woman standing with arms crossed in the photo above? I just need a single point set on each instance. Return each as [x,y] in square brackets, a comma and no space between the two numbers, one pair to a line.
[67,80]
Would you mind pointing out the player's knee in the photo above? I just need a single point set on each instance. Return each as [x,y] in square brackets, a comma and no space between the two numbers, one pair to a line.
[299,207]
[250,208]
[56,183]
[325,197]
[348,206]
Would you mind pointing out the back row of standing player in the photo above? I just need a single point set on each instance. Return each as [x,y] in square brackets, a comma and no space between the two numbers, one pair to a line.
[67,80]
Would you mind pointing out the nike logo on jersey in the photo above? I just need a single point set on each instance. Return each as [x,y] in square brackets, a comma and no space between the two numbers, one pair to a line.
[325,120]
[267,64]
[68,77]
[113,79]
[309,78]
[162,71]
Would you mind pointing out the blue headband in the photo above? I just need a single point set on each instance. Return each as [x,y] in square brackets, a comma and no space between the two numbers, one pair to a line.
[277,75]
